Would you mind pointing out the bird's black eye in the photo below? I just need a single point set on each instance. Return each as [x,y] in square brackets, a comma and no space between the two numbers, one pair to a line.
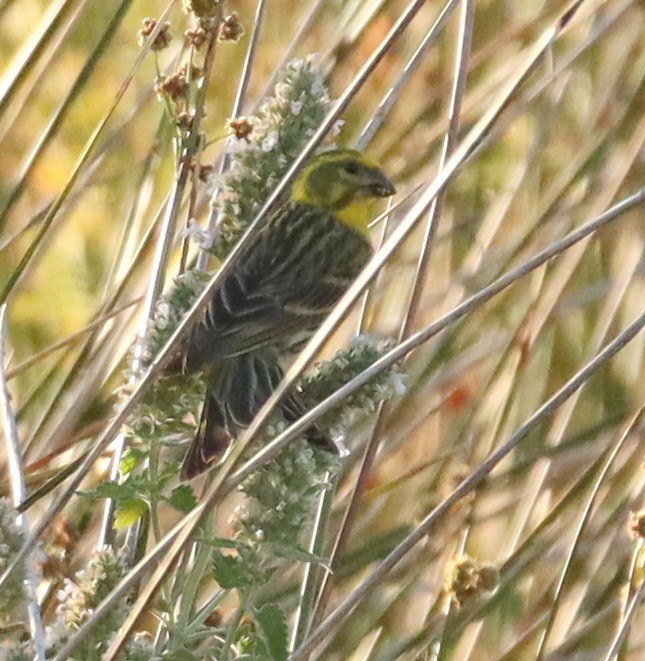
[351,167]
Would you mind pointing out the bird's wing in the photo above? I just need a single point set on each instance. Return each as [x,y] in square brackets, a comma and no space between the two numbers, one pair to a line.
[295,271]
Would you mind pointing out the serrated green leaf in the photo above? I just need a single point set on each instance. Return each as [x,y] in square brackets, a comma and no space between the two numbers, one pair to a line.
[234,572]
[131,459]
[129,511]
[113,490]
[297,553]
[272,622]
[183,498]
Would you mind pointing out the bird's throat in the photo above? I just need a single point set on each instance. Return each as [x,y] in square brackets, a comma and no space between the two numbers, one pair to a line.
[357,215]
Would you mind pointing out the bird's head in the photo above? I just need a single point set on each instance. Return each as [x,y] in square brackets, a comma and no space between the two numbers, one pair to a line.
[344,182]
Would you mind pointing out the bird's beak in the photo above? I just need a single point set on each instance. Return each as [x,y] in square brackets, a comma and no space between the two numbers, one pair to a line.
[381,186]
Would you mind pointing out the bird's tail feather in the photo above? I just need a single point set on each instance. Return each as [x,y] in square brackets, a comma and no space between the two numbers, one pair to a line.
[240,386]
[210,444]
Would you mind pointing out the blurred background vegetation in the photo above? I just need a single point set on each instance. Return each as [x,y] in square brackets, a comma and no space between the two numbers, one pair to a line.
[567,146]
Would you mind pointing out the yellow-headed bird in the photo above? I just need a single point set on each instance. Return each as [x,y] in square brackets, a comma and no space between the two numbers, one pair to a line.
[299,265]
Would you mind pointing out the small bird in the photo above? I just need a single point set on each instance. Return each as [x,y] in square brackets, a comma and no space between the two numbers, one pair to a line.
[300,263]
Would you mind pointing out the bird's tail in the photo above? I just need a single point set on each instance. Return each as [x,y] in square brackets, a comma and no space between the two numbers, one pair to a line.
[210,443]
[240,386]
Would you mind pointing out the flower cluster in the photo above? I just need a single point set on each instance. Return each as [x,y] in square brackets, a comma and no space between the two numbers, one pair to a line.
[12,593]
[169,311]
[281,497]
[467,578]
[163,38]
[78,600]
[162,411]
[139,648]
[230,28]
[260,157]
[328,376]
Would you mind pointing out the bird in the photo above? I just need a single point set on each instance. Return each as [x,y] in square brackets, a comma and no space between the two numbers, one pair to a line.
[299,264]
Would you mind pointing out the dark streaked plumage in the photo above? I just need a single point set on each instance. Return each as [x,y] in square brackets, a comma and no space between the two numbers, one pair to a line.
[275,291]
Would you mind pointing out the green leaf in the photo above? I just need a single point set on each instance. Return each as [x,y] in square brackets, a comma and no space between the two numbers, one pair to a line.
[297,552]
[112,490]
[183,498]
[129,511]
[219,542]
[161,480]
[274,629]
[131,459]
[231,571]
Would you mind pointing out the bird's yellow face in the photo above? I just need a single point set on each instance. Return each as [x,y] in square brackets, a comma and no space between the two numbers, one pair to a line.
[344,182]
